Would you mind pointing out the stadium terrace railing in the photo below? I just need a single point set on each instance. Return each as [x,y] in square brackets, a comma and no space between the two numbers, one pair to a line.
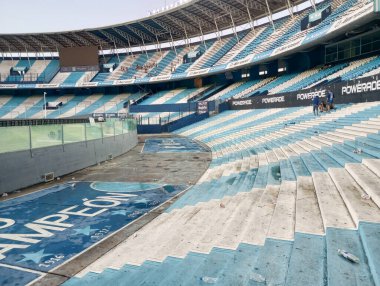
[20,138]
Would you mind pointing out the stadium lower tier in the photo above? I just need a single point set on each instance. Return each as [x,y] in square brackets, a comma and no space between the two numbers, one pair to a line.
[21,107]
[284,192]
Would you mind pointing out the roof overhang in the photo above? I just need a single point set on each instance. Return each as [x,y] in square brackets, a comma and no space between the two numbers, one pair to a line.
[189,20]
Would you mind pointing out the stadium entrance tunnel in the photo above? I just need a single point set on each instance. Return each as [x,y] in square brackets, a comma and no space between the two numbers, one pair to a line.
[48,235]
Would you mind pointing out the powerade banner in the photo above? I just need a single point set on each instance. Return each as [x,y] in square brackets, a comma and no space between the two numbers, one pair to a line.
[43,230]
[359,90]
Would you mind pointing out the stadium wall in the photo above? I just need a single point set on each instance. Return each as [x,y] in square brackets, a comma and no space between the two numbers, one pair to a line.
[352,91]
[25,168]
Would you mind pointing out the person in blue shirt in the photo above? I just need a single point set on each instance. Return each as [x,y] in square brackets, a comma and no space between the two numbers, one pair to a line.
[315,104]
[330,100]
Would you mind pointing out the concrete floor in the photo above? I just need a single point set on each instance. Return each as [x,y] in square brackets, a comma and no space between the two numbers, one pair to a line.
[169,168]
[134,166]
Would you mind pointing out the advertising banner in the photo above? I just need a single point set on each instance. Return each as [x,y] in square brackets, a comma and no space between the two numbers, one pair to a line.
[358,90]
[202,107]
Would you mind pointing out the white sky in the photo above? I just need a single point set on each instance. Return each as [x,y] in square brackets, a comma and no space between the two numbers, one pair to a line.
[34,16]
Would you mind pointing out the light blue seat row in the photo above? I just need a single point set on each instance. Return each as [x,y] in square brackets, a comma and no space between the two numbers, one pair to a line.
[97,104]
[67,106]
[224,49]
[73,78]
[307,260]
[165,62]
[103,76]
[49,72]
[371,65]
[321,74]
[141,60]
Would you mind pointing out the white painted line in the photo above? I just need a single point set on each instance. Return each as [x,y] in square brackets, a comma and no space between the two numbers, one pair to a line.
[22,269]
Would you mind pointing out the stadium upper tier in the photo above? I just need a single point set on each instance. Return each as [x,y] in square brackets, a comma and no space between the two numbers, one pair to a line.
[243,48]
[191,19]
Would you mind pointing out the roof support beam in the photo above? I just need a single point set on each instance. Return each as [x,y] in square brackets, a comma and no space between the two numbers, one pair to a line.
[152,30]
[218,33]
[112,38]
[228,8]
[290,8]
[79,39]
[65,39]
[182,24]
[54,43]
[196,20]
[251,20]
[202,37]
[37,41]
[312,2]
[8,44]
[253,4]
[92,38]
[270,15]
[168,28]
[234,28]
[143,36]
[21,42]
[126,36]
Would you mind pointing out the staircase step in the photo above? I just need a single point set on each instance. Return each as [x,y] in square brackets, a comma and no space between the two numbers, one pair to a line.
[341,271]
[311,164]
[230,233]
[307,261]
[370,237]
[273,262]
[373,165]
[137,277]
[308,215]
[185,269]
[299,167]
[213,267]
[240,267]
[359,208]
[333,209]
[366,179]
[283,220]
[259,222]
[194,224]
[155,277]
[286,171]
[206,241]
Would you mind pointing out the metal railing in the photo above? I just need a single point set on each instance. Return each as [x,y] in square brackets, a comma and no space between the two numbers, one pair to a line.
[19,138]
[33,111]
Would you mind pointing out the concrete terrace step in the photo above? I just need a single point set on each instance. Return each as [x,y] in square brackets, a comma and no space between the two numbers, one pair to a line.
[373,165]
[283,220]
[370,238]
[308,215]
[359,208]
[307,261]
[366,179]
[334,212]
[342,272]
[259,222]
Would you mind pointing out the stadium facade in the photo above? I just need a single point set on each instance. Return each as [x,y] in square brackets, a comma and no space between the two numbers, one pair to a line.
[288,198]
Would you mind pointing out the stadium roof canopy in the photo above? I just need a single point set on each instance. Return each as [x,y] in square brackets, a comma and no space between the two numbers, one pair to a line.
[192,19]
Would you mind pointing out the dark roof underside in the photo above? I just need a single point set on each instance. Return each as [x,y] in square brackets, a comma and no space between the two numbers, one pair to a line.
[187,21]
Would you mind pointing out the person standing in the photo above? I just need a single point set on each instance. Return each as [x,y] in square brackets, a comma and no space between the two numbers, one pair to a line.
[315,105]
[330,100]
